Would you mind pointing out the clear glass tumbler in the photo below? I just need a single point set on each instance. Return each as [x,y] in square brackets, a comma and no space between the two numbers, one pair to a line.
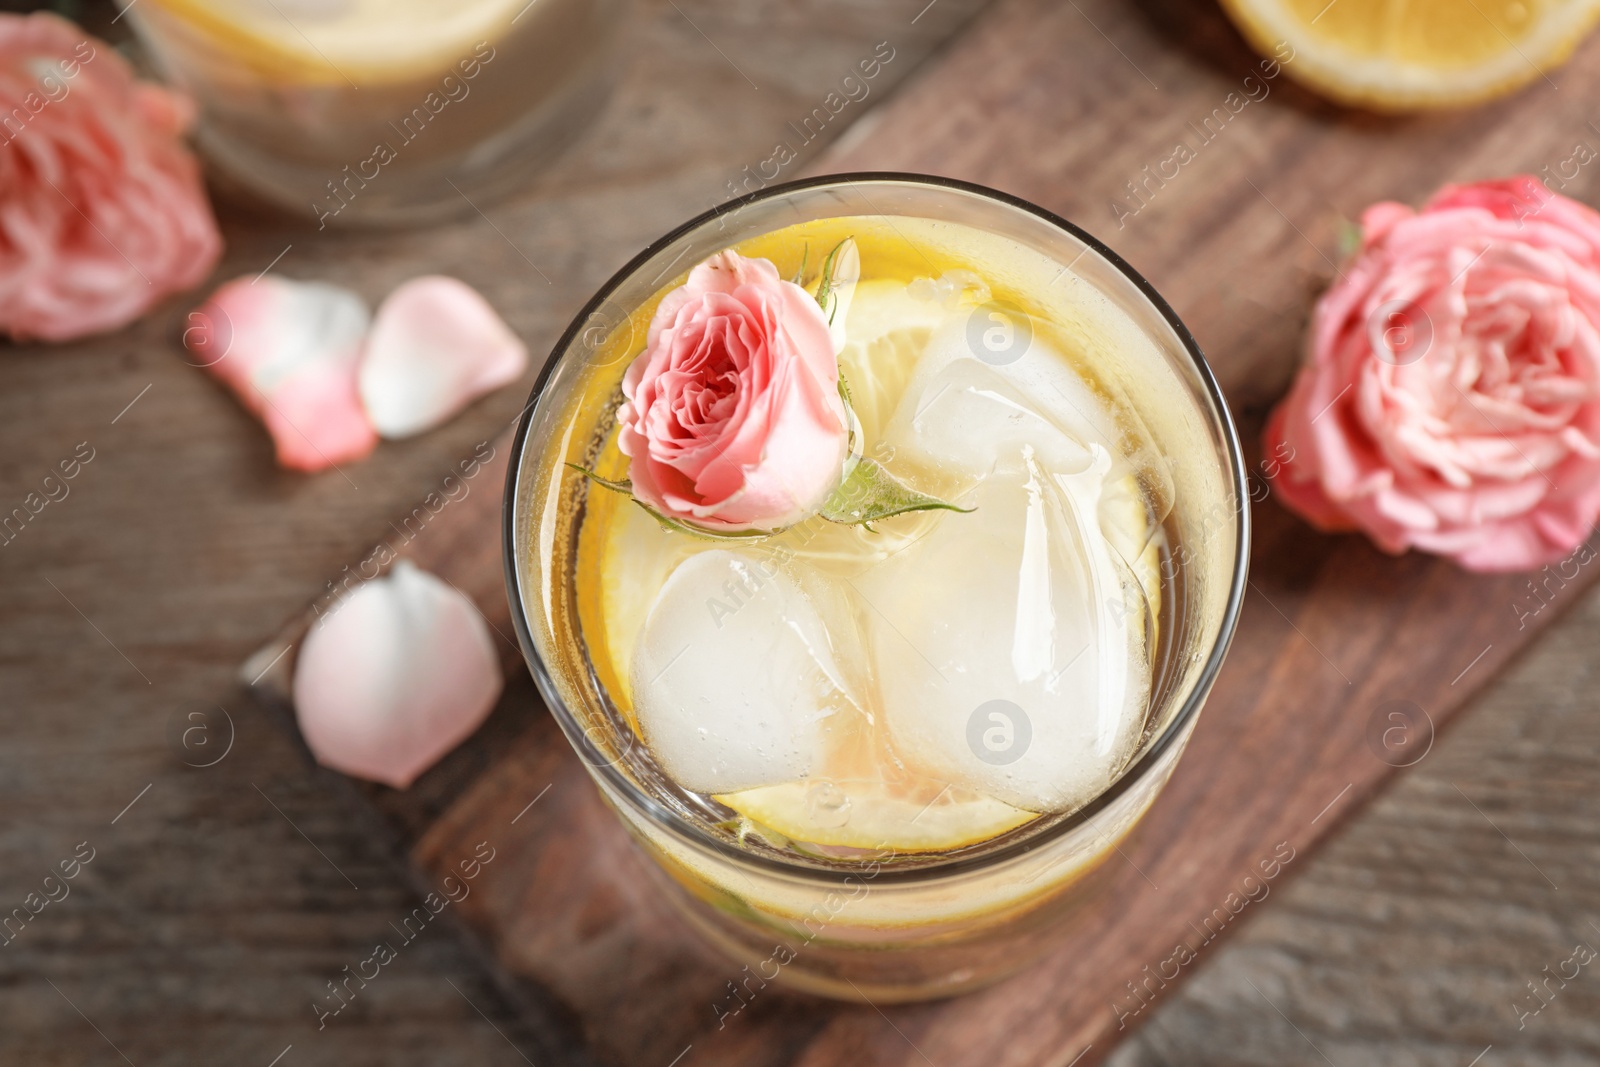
[386,112]
[877,924]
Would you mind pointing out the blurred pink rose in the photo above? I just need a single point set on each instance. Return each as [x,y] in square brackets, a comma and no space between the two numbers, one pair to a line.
[733,419]
[1451,401]
[102,212]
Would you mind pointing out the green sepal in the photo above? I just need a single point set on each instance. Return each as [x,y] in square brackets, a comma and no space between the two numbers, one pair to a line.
[616,487]
[825,294]
[1350,238]
[805,259]
[869,493]
[702,532]
[667,523]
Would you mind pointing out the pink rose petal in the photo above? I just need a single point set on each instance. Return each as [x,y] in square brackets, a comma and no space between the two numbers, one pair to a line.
[436,346]
[290,350]
[396,675]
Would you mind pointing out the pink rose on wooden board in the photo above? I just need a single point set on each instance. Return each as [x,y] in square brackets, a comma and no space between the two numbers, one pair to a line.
[102,211]
[733,419]
[1450,401]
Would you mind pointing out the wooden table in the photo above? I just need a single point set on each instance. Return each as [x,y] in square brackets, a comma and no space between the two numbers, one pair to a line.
[219,900]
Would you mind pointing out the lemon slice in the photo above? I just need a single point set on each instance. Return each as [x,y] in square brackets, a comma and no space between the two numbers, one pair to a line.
[886,331]
[873,815]
[639,557]
[1125,519]
[1401,55]
[363,41]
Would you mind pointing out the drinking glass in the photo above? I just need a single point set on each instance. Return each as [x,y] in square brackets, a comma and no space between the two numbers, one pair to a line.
[371,111]
[880,925]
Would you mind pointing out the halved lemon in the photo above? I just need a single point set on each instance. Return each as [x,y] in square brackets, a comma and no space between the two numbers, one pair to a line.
[1403,55]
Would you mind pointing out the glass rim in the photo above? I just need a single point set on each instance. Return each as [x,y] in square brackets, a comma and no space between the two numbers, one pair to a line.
[1135,771]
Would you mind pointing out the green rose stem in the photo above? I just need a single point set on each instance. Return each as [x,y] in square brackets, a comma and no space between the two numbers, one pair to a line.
[667,521]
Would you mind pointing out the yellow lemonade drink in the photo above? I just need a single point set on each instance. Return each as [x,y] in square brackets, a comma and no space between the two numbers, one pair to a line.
[368,110]
[878,757]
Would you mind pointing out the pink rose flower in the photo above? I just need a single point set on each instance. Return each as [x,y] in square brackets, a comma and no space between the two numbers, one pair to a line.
[102,212]
[1451,399]
[733,419]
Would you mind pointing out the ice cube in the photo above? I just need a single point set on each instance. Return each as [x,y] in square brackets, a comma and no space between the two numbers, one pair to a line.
[1044,378]
[963,417]
[1031,365]
[1008,644]
[733,675]
[968,419]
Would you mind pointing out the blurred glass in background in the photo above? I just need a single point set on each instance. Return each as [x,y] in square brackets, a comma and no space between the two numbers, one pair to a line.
[388,112]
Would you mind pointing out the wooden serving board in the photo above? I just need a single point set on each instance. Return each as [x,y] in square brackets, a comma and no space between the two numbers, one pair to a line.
[1346,661]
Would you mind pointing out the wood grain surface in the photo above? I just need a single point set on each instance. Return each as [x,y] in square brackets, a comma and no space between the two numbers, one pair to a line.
[1416,939]
[224,898]
[1345,666]
[1412,937]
